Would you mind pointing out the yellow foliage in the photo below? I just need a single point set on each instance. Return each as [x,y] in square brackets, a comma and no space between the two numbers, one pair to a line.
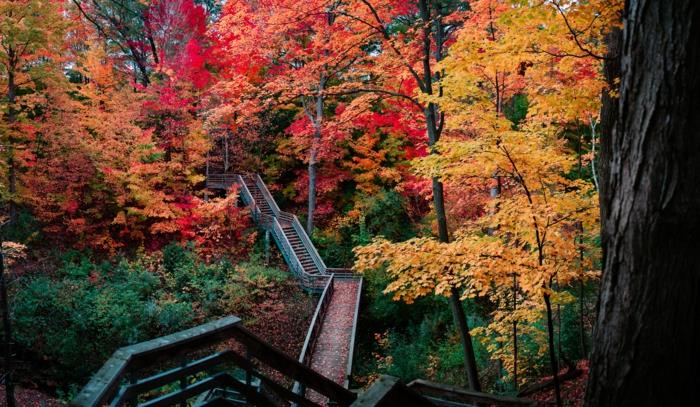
[536,235]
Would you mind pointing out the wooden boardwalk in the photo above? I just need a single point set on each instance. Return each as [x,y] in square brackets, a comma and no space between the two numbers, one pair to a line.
[330,338]
[330,356]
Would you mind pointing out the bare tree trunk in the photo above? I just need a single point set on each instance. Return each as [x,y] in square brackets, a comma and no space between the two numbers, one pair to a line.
[313,157]
[313,170]
[552,355]
[648,329]
[433,26]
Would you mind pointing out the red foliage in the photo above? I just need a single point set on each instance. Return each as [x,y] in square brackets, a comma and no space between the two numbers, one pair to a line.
[572,391]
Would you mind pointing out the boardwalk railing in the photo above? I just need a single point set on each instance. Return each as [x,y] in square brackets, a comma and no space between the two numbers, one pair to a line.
[314,330]
[452,395]
[317,278]
[351,348]
[117,383]
[225,181]
[308,281]
[301,232]
[267,195]
[220,181]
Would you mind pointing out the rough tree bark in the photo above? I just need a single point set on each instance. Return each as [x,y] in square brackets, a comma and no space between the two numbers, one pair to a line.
[646,340]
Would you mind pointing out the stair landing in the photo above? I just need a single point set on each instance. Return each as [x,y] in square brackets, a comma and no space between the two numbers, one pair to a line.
[330,356]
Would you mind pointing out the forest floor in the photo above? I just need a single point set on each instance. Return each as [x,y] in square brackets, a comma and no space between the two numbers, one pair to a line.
[572,391]
[30,398]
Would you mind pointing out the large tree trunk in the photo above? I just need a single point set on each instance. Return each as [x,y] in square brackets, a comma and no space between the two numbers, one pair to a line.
[647,336]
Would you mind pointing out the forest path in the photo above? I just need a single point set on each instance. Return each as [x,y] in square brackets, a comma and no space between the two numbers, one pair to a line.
[331,335]
[333,350]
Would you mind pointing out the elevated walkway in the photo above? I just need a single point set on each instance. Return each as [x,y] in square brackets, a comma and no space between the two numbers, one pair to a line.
[330,340]
[220,363]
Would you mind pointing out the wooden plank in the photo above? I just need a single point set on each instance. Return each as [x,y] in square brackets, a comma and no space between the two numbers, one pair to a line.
[460,395]
[351,348]
[220,380]
[105,382]
[292,368]
[103,385]
[389,391]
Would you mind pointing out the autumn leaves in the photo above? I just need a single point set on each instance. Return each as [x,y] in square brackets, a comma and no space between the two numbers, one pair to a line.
[520,81]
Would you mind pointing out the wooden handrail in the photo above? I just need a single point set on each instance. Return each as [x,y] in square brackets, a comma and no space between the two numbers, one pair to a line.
[293,368]
[342,273]
[459,395]
[351,347]
[314,331]
[316,321]
[389,391]
[104,383]
[267,195]
[102,388]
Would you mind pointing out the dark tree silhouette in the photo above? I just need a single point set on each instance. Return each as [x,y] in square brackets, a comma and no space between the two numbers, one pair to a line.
[647,337]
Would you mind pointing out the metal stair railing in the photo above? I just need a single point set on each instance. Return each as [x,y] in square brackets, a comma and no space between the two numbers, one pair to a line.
[311,282]
[267,195]
[351,347]
[220,181]
[248,198]
[304,237]
[294,221]
[308,281]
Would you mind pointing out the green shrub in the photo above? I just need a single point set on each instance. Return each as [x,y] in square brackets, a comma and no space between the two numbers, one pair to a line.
[88,309]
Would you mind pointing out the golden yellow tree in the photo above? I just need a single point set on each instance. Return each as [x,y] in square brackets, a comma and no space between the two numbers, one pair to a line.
[532,241]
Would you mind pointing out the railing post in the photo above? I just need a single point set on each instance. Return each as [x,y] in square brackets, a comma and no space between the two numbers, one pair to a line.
[248,376]
[183,385]
[267,246]
[132,401]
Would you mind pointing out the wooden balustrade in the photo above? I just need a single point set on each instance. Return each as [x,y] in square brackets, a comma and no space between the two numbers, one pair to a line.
[108,385]
[314,329]
[351,347]
[443,394]
[220,181]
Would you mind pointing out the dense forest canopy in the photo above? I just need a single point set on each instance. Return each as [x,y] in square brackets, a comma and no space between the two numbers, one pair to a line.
[454,153]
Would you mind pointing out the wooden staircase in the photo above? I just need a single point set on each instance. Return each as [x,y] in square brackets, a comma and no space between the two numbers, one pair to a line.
[331,336]
[220,363]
